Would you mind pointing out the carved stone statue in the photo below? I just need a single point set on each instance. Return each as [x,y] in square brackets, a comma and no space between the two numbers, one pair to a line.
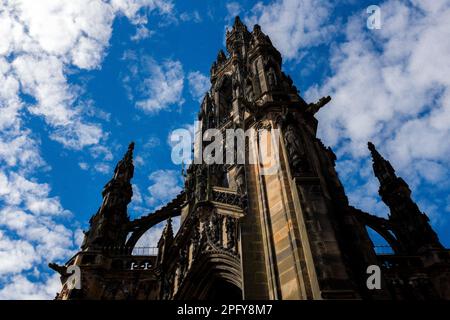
[249,91]
[189,182]
[272,78]
[201,183]
[230,230]
[295,150]
[240,180]
[215,227]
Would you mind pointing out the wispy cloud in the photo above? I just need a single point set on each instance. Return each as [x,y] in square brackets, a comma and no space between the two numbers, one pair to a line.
[165,185]
[198,85]
[293,24]
[41,41]
[193,16]
[160,84]
[392,86]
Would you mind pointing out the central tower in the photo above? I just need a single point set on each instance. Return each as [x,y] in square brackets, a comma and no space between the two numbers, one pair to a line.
[296,219]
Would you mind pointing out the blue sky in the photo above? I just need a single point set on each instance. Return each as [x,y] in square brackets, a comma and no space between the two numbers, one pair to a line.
[79,80]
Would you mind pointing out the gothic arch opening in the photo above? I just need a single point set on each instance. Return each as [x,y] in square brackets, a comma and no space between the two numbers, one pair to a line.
[380,244]
[215,276]
[147,243]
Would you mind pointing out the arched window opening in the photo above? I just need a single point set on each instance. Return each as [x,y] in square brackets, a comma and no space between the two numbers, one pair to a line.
[225,100]
[147,245]
[381,246]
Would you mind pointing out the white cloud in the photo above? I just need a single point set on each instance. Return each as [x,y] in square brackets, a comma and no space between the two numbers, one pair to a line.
[165,185]
[18,191]
[21,288]
[193,16]
[30,218]
[41,41]
[293,24]
[132,8]
[139,161]
[137,196]
[391,86]
[198,85]
[233,9]
[142,32]
[15,255]
[103,168]
[151,142]
[161,84]
[101,151]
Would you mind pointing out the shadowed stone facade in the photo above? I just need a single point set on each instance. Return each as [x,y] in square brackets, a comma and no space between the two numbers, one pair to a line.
[247,235]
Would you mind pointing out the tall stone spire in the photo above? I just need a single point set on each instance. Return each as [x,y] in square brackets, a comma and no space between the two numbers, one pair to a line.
[238,38]
[412,227]
[118,190]
[381,167]
[107,225]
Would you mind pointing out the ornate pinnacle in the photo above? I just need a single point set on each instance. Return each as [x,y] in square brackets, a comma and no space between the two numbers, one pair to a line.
[129,154]
[122,174]
[237,23]
[167,233]
[126,164]
[373,150]
[381,167]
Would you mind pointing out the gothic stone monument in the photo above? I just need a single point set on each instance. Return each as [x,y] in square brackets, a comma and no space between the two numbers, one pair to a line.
[248,235]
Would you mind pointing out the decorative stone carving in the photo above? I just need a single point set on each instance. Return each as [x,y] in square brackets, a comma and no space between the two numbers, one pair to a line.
[189,182]
[296,150]
[272,78]
[215,227]
[230,226]
[249,95]
[201,182]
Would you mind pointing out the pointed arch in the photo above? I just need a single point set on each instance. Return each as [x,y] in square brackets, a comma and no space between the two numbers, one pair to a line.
[382,227]
[211,269]
[139,226]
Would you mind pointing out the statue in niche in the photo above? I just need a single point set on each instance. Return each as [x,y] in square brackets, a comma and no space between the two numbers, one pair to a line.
[296,151]
[215,227]
[230,227]
[200,176]
[240,179]
[195,237]
[189,182]
[272,78]
[249,95]
[223,172]
[236,86]
[182,262]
